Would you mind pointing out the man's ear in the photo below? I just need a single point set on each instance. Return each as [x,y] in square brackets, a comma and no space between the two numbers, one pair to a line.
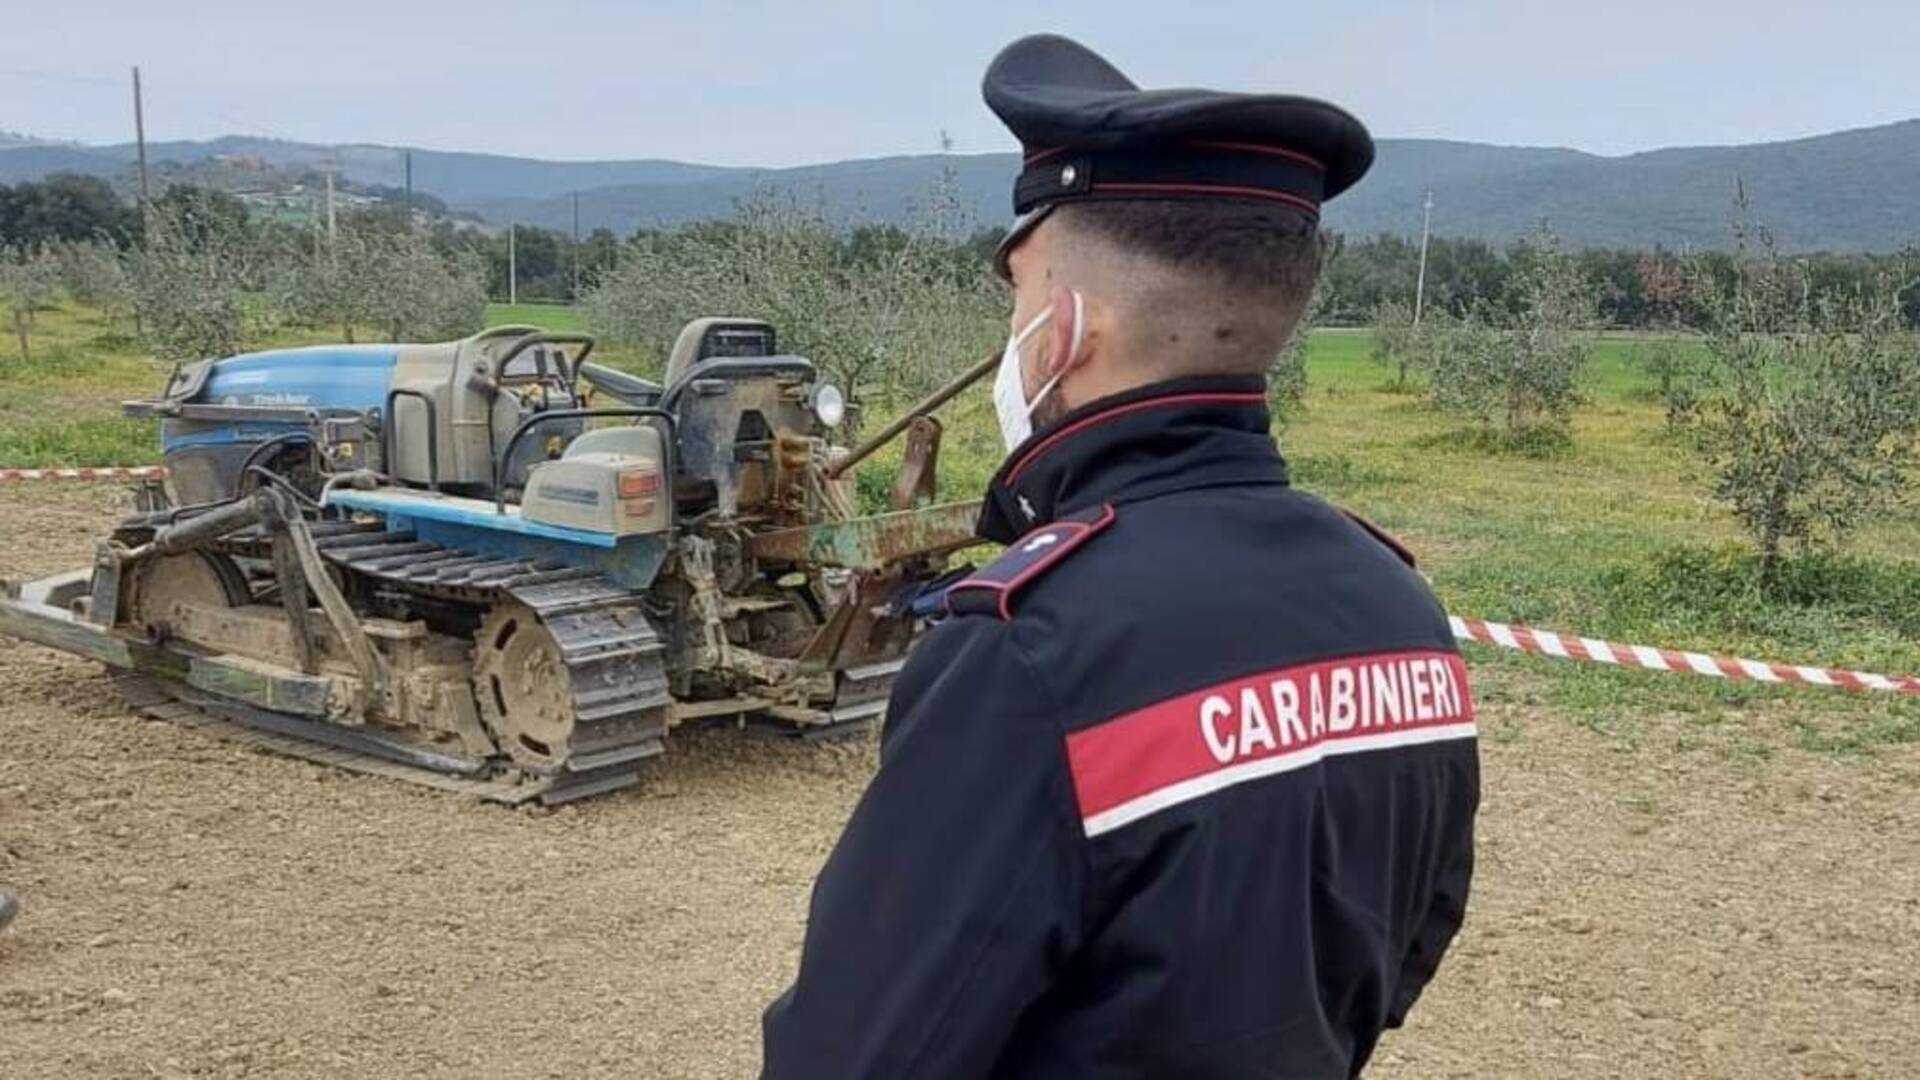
[1065,327]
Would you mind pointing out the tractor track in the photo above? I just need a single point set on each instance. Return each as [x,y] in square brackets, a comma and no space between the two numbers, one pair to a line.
[615,660]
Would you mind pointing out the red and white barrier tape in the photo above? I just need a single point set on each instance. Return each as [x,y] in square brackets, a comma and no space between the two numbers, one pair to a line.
[102,472]
[1566,647]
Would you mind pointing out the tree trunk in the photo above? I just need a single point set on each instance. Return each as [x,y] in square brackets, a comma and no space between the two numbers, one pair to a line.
[1769,560]
[20,327]
[1771,533]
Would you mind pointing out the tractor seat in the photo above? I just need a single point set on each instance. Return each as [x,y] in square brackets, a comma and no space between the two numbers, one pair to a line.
[726,369]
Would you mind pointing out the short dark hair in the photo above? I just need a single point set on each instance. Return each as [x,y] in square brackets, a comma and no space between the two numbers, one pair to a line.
[1248,269]
[1244,245]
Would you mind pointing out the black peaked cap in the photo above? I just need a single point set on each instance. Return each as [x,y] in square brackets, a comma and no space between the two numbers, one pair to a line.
[1089,133]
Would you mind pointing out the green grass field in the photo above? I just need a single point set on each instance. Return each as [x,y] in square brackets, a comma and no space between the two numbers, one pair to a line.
[1616,537]
[546,316]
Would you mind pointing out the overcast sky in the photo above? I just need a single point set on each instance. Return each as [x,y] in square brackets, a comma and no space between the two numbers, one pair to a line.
[791,83]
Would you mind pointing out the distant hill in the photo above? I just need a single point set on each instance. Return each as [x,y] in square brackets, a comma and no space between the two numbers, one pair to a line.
[1849,191]
[15,138]
[1852,191]
[873,189]
[461,179]
[33,161]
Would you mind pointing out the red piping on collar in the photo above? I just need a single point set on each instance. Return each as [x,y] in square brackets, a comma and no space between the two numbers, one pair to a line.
[1220,397]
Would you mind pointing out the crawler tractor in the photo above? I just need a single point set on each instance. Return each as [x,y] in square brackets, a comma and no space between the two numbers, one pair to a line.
[496,566]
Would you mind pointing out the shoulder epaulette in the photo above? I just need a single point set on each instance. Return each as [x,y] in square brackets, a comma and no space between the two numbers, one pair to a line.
[1391,541]
[990,589]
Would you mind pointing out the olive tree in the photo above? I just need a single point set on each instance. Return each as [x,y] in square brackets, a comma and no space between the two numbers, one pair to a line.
[1677,369]
[1396,342]
[775,259]
[1809,407]
[396,283]
[27,284]
[190,277]
[417,293]
[93,273]
[885,312]
[1287,375]
[331,290]
[1515,367]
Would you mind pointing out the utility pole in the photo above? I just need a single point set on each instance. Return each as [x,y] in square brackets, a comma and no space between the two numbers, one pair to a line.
[409,189]
[333,232]
[513,269]
[1420,288]
[576,247]
[140,139]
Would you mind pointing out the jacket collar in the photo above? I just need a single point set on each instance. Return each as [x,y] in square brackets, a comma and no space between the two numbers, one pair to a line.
[1197,431]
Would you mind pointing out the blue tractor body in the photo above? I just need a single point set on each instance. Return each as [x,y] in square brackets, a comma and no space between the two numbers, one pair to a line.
[330,378]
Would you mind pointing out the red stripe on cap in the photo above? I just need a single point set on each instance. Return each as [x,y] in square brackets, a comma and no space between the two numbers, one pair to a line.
[1231,190]
[1190,746]
[1041,154]
[1264,148]
[1217,398]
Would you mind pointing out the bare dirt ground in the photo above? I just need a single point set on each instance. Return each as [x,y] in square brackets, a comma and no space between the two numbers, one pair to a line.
[1664,906]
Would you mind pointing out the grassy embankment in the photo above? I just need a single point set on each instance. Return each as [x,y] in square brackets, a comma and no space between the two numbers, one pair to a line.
[1615,537]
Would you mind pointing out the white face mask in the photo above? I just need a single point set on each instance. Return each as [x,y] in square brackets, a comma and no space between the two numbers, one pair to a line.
[1009,391]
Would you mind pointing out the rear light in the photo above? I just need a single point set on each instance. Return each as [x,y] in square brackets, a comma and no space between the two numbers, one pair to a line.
[639,483]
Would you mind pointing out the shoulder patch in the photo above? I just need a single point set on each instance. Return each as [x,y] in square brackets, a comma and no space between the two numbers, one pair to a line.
[1392,542]
[989,590]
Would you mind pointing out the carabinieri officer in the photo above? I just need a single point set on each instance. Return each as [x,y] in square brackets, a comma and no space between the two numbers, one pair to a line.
[1184,785]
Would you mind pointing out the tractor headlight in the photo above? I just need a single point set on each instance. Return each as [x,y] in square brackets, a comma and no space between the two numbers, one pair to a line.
[829,404]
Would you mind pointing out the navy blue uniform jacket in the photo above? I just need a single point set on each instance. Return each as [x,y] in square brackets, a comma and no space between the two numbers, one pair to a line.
[1183,787]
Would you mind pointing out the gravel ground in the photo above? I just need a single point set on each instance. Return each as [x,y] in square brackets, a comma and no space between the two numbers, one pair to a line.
[197,909]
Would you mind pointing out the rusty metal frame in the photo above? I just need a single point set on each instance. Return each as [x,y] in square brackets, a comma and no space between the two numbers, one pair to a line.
[872,543]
